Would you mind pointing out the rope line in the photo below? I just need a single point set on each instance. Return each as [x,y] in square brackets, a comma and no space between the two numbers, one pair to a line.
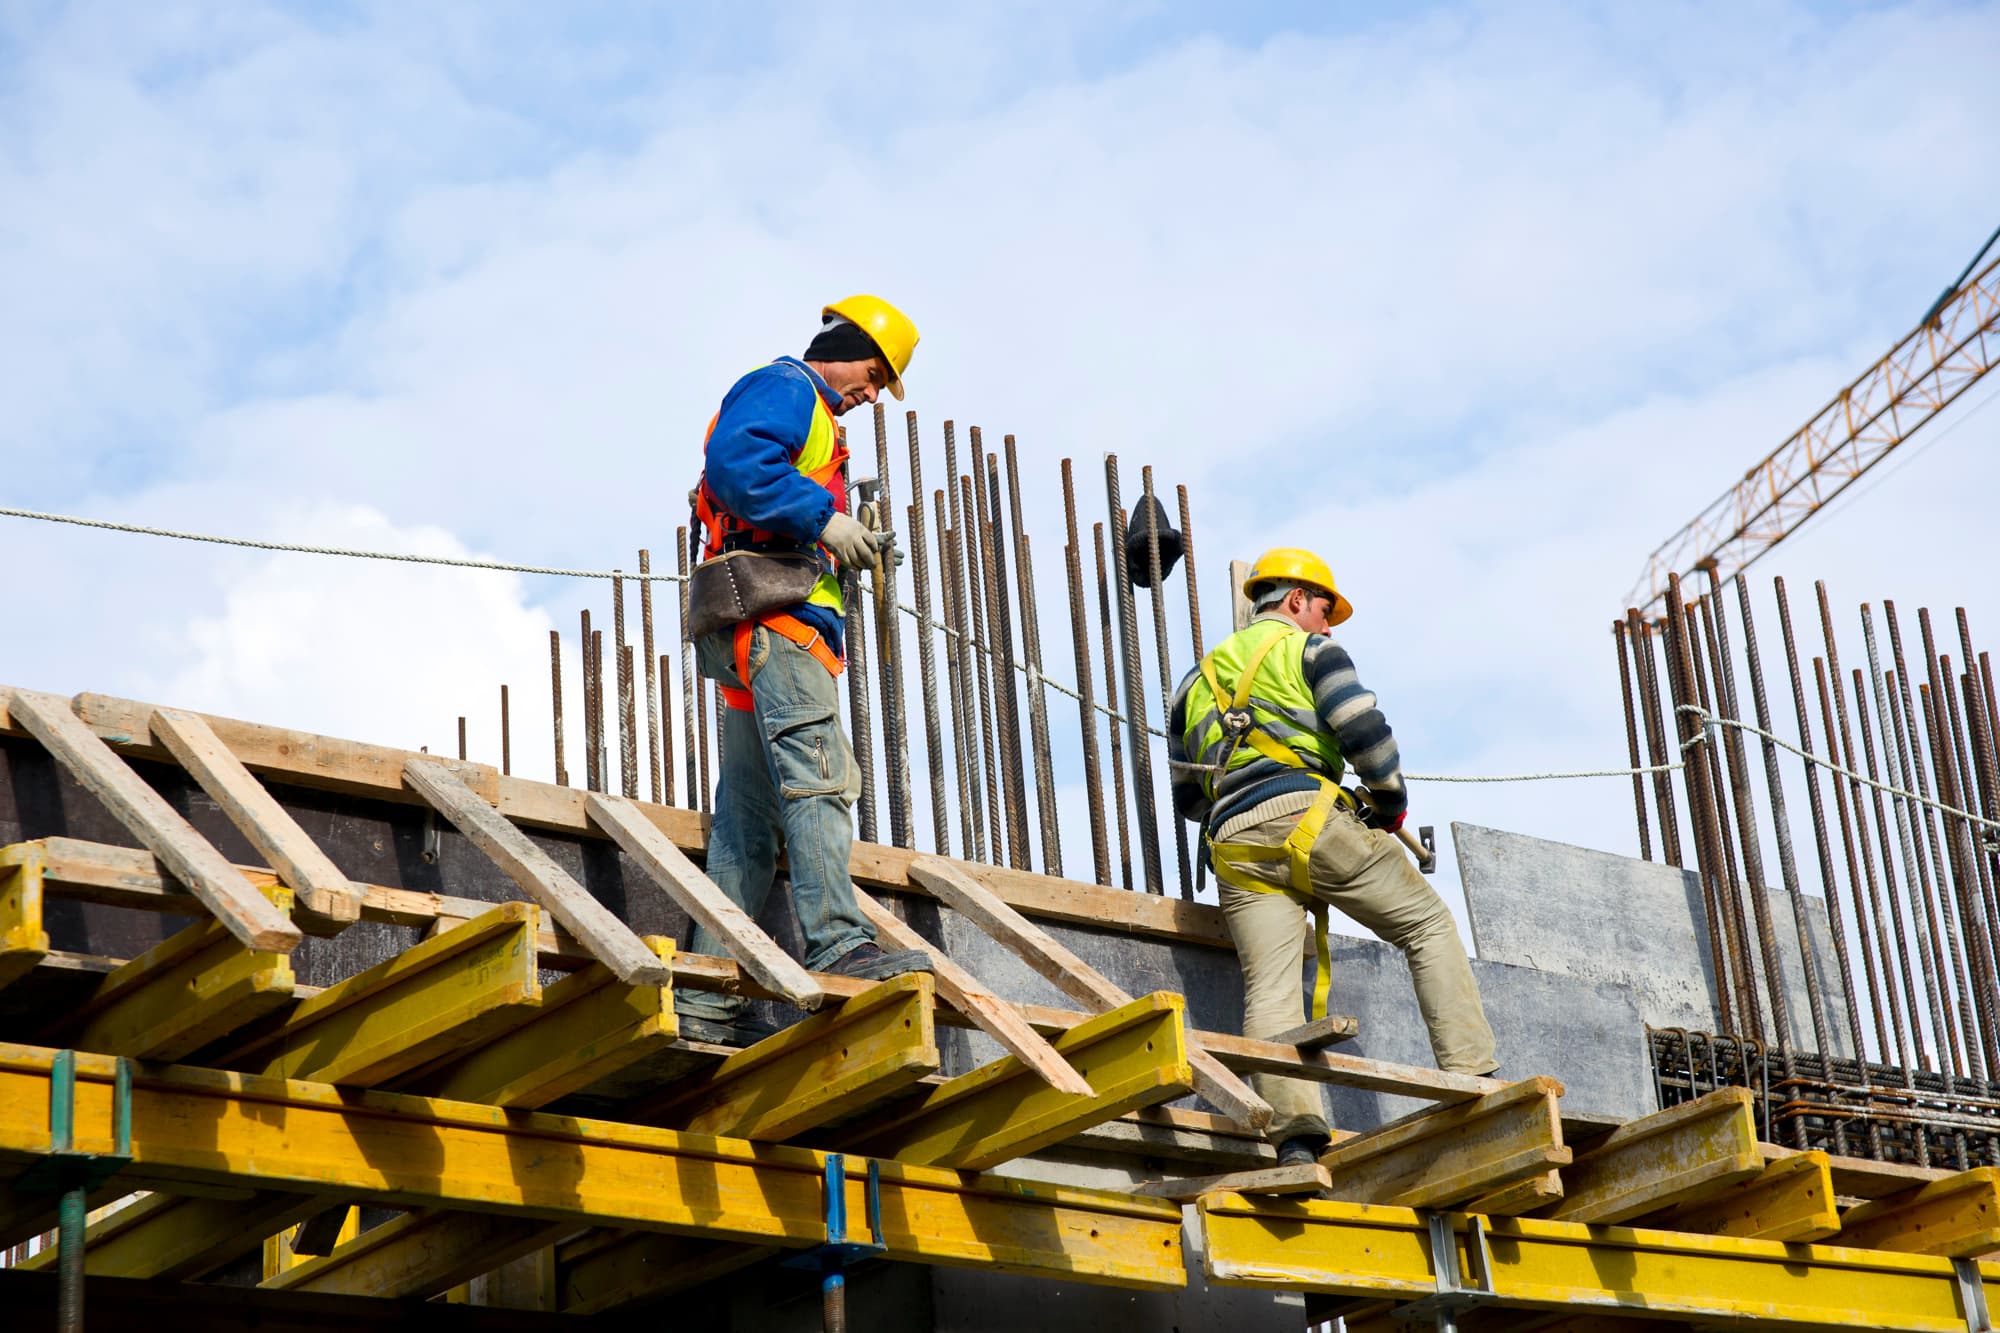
[1708,719]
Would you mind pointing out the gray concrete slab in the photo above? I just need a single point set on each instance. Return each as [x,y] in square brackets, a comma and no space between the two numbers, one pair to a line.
[1638,924]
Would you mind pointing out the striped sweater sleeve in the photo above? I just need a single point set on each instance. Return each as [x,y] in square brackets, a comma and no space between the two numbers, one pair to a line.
[1347,709]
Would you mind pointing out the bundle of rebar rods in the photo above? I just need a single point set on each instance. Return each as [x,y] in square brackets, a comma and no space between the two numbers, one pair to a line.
[1901,1060]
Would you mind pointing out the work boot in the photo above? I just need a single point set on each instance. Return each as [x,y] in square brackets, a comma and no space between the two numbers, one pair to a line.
[869,962]
[1301,1151]
[743,1030]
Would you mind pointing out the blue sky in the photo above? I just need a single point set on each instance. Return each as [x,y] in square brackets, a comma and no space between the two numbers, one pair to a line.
[1481,300]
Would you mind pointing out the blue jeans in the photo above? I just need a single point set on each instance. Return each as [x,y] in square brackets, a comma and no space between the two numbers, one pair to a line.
[788,781]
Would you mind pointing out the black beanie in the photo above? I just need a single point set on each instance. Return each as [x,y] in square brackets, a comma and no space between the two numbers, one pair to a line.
[841,340]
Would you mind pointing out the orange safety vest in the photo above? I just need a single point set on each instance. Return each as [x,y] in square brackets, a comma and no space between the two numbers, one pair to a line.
[822,458]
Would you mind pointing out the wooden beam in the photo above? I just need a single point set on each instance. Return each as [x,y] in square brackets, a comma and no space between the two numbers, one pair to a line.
[1675,1156]
[608,938]
[248,914]
[181,1237]
[190,990]
[457,989]
[1521,1197]
[1957,1217]
[1309,1178]
[588,1026]
[970,997]
[1319,1033]
[838,1062]
[1076,978]
[23,940]
[326,901]
[1169,1133]
[1790,1200]
[701,898]
[610,1269]
[1447,1156]
[1251,1056]
[419,1254]
[197,1126]
[1133,1056]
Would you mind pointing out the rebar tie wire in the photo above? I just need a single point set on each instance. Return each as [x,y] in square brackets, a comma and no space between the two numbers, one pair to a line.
[1708,719]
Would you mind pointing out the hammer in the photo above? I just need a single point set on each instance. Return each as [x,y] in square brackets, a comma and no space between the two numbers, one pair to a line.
[1422,845]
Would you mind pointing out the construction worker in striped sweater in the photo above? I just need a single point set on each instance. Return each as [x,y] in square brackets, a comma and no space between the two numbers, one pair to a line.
[774,482]
[1261,733]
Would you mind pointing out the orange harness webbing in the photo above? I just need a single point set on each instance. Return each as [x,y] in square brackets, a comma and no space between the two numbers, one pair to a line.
[804,635]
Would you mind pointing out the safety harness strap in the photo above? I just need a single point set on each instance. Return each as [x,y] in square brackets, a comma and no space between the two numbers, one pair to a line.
[1230,857]
[791,627]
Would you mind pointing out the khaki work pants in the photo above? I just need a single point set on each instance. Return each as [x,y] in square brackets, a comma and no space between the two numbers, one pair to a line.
[1365,874]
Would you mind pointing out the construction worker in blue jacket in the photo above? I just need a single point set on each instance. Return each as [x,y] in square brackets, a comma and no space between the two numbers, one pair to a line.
[1261,733]
[774,479]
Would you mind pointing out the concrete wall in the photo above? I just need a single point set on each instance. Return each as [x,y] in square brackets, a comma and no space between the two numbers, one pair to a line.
[1635,925]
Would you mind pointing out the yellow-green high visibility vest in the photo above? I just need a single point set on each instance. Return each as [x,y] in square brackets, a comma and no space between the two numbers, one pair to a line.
[1280,703]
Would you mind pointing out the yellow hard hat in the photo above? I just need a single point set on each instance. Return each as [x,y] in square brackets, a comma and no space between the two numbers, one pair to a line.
[1292,564]
[891,329]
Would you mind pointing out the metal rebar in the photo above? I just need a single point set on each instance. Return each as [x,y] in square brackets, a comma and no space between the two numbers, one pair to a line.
[1985,765]
[1111,702]
[1973,760]
[653,761]
[981,660]
[1000,615]
[1896,743]
[889,654]
[556,705]
[1135,687]
[1086,709]
[72,1224]
[1031,649]
[663,737]
[628,731]
[506,736]
[1162,655]
[1902,923]
[461,737]
[965,749]
[970,666]
[597,692]
[1941,720]
[859,720]
[1925,959]
[1646,669]
[1937,887]
[920,575]
[1187,572]
[694,700]
[1737,915]
[589,704]
[1695,777]
[1632,742]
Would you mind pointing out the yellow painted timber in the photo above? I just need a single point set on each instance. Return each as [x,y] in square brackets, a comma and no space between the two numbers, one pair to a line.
[23,941]
[1369,1250]
[211,1127]
[454,990]
[419,1255]
[177,1236]
[191,989]
[279,1254]
[1523,1196]
[589,1025]
[1441,1157]
[1132,1056]
[1670,1157]
[837,1062]
[1790,1199]
[1958,1217]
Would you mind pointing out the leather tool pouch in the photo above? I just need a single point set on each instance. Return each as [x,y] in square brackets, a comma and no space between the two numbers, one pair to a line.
[744,585]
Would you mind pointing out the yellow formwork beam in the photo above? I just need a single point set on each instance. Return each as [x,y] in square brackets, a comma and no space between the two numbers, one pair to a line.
[1446,1156]
[419,1254]
[205,1127]
[1667,1158]
[1377,1251]
[23,941]
[1791,1199]
[1958,1216]
[179,1236]
[836,1062]
[193,988]
[589,1025]
[1132,1056]
[461,987]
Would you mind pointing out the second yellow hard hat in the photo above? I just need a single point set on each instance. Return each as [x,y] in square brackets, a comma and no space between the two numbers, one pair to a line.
[891,329]
[1293,564]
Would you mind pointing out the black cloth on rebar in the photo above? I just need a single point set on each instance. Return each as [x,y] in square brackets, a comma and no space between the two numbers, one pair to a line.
[1150,514]
[841,340]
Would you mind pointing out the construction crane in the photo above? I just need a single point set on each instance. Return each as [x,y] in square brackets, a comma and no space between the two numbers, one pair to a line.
[1949,350]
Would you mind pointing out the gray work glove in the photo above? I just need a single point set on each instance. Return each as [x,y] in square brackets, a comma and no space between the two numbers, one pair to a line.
[886,543]
[851,543]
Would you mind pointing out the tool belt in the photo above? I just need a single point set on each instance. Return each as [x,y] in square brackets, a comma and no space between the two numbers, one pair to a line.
[741,587]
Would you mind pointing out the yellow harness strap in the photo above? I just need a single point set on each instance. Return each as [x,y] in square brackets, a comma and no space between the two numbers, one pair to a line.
[1297,847]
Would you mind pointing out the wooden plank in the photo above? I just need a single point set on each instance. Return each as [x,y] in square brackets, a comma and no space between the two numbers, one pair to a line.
[188,991]
[1674,1156]
[1453,1154]
[588,1027]
[701,898]
[247,913]
[1957,1217]
[1248,1055]
[1790,1200]
[1308,1178]
[325,898]
[24,943]
[1170,1133]
[458,989]
[836,1063]
[181,1237]
[419,1254]
[969,996]
[610,940]
[1521,1197]
[1076,978]
[1133,1056]
[1318,1033]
